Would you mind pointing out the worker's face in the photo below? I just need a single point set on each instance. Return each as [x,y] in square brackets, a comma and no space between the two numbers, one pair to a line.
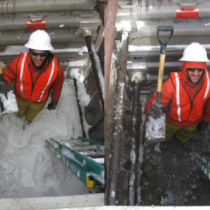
[194,74]
[38,57]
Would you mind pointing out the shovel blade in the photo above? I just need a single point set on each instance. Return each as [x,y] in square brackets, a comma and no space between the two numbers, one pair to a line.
[155,129]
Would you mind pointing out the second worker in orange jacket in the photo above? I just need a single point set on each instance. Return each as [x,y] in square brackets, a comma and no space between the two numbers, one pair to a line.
[37,74]
[186,96]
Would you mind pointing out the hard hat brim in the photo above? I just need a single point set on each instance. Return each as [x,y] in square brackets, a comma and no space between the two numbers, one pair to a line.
[28,45]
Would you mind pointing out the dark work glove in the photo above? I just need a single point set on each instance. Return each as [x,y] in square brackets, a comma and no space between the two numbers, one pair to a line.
[4,87]
[202,125]
[155,109]
[52,105]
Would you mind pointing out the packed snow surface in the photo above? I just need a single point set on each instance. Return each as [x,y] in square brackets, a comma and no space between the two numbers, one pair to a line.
[27,167]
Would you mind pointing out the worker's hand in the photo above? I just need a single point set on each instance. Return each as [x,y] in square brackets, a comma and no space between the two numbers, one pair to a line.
[4,87]
[155,109]
[52,105]
[202,126]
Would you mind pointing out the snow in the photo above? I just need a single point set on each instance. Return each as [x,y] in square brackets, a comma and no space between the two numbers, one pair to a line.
[74,72]
[124,25]
[98,69]
[27,167]
[10,104]
[82,62]
[84,100]
[155,128]
[138,76]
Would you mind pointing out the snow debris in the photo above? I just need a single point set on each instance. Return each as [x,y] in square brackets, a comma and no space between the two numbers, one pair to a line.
[10,104]
[82,62]
[84,100]
[80,51]
[168,199]
[124,25]
[157,148]
[138,76]
[124,38]
[134,65]
[74,72]
[98,68]
[112,194]
[155,128]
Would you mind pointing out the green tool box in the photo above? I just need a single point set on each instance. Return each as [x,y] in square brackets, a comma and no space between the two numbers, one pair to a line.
[204,163]
[74,154]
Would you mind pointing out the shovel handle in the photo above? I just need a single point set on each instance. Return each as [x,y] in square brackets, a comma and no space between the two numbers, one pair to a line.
[160,76]
[162,57]
[1,71]
[164,44]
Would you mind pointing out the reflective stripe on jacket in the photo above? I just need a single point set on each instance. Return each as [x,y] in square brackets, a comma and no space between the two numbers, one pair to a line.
[38,91]
[182,108]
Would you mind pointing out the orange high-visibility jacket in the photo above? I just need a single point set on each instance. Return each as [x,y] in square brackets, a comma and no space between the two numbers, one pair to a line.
[186,104]
[38,92]
[182,108]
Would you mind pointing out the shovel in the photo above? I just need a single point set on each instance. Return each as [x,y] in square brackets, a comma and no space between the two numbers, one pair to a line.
[155,128]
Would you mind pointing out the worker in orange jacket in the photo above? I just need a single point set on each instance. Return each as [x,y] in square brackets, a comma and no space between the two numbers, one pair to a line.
[37,74]
[185,98]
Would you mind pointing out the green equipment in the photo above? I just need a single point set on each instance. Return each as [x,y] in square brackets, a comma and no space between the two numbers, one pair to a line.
[204,163]
[83,157]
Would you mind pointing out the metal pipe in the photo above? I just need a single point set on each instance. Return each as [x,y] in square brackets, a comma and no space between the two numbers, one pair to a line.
[134,142]
[168,10]
[110,19]
[142,117]
[108,127]
[80,111]
[50,22]
[114,172]
[95,67]
[55,38]
[100,8]
[44,6]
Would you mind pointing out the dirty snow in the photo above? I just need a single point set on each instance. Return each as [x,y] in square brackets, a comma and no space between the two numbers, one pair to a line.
[155,128]
[27,168]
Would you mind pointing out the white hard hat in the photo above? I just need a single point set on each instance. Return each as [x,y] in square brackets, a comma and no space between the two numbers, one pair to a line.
[39,40]
[195,52]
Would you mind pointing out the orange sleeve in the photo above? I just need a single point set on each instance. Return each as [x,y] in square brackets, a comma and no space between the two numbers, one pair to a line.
[166,95]
[10,70]
[58,84]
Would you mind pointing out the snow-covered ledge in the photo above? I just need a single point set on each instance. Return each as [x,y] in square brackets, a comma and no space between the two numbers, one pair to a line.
[59,202]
